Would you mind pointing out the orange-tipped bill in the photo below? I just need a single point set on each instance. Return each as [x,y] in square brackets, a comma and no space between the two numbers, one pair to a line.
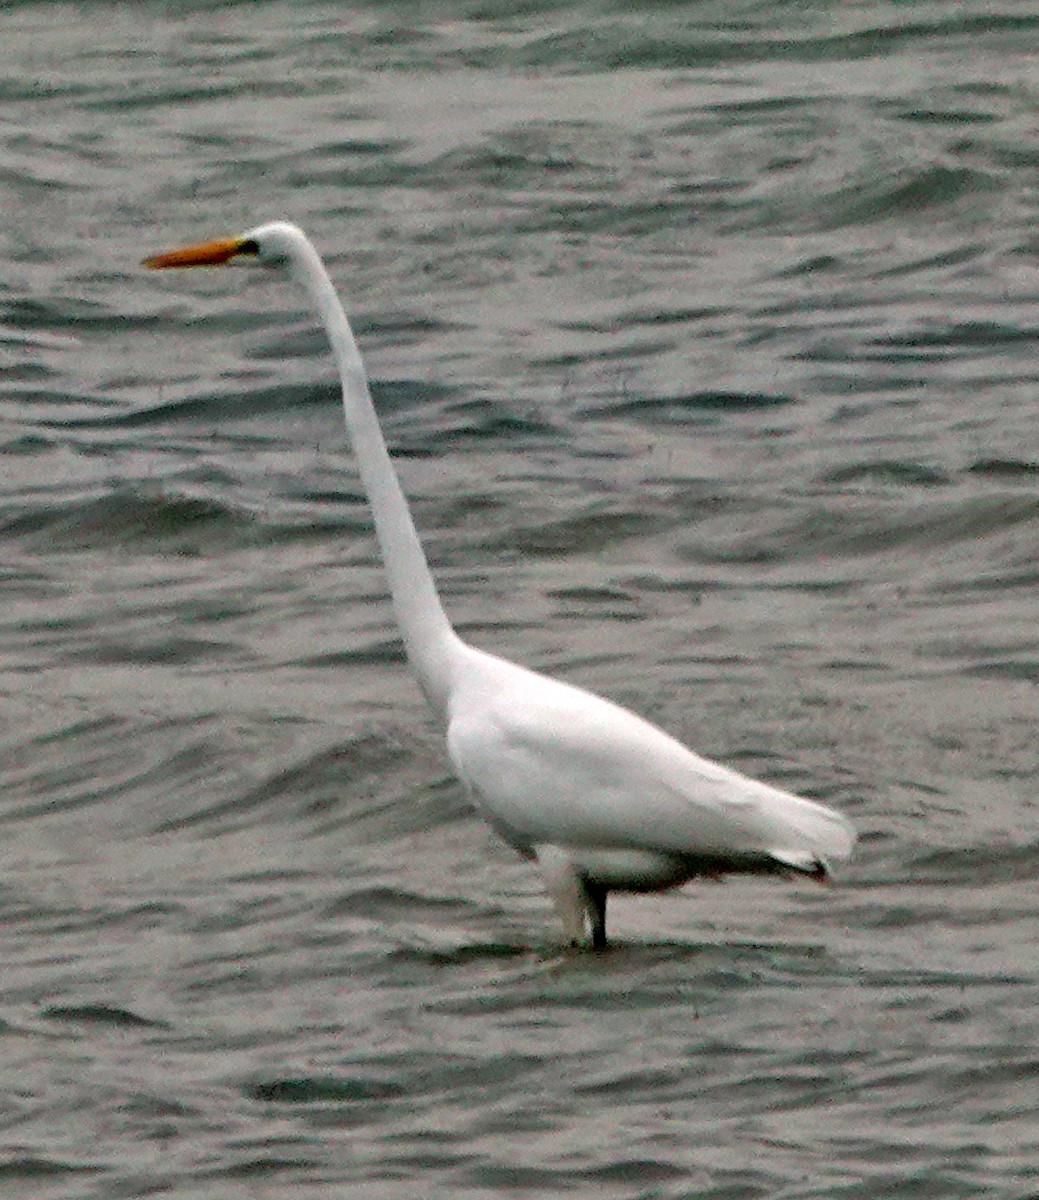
[202,254]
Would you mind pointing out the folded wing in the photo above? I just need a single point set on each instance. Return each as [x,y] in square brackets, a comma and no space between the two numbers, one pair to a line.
[550,763]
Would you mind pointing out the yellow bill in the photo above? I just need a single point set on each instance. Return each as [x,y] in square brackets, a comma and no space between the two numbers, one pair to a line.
[202,254]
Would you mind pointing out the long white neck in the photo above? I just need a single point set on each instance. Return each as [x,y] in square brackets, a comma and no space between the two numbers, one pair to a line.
[432,645]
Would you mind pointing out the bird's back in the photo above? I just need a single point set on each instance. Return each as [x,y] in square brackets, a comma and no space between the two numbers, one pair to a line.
[552,763]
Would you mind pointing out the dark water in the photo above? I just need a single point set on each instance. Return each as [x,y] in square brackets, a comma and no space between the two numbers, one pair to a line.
[704,336]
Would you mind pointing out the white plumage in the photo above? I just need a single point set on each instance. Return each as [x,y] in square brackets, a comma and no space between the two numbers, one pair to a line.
[603,800]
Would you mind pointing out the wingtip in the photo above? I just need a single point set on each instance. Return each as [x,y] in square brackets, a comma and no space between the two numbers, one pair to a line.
[804,862]
[820,872]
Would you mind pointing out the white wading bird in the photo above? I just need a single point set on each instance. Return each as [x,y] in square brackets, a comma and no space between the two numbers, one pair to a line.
[601,799]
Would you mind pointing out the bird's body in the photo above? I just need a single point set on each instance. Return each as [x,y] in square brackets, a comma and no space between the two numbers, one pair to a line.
[602,799]
[568,767]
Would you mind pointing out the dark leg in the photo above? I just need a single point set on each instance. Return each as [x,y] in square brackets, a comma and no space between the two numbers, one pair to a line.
[595,895]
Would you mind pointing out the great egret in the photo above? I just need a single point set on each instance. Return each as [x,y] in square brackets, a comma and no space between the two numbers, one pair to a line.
[601,799]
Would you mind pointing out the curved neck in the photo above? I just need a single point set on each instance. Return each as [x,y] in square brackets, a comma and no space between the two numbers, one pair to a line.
[429,640]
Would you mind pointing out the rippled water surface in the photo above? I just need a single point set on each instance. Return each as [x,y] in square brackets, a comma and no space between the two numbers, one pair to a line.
[704,338]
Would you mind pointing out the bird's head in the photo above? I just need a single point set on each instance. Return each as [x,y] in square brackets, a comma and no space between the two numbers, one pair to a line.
[271,243]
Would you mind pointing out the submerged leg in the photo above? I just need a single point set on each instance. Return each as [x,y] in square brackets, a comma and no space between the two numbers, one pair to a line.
[595,900]
[567,891]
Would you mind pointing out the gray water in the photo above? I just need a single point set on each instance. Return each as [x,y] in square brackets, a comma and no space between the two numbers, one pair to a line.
[704,339]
